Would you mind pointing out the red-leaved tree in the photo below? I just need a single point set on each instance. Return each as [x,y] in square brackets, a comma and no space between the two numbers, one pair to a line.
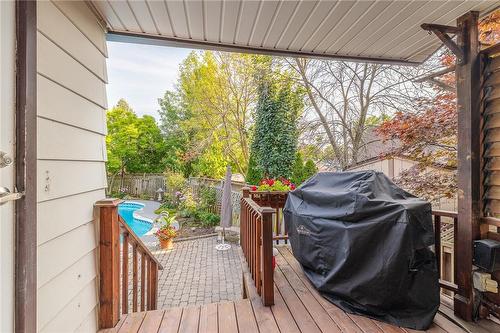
[429,135]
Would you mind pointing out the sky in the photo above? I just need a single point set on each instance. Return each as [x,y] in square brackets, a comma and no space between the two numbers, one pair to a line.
[141,74]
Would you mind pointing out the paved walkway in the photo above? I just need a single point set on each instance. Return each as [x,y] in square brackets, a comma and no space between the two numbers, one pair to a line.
[194,273]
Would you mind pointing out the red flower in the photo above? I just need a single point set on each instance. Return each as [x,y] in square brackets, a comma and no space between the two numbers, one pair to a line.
[253,188]
[270,182]
[292,187]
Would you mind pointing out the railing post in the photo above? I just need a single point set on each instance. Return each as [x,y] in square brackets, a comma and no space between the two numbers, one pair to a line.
[154,285]
[109,263]
[267,257]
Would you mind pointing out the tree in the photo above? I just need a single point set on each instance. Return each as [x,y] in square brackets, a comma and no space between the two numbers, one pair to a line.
[133,144]
[254,174]
[428,135]
[121,140]
[215,95]
[275,137]
[343,96]
[298,170]
[310,169]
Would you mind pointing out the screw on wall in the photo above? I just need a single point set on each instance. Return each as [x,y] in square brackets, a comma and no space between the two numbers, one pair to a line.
[47,181]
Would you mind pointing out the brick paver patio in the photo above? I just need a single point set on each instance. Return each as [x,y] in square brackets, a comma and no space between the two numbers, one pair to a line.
[194,273]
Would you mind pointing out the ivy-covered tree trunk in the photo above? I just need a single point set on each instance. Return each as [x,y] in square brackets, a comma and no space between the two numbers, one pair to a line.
[275,137]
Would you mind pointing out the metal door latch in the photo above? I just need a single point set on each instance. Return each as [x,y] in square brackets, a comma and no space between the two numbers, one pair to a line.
[5,160]
[6,195]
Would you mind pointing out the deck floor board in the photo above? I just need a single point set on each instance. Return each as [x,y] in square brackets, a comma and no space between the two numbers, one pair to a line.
[298,308]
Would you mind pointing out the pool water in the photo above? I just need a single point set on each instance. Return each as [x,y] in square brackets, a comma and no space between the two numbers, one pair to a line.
[126,211]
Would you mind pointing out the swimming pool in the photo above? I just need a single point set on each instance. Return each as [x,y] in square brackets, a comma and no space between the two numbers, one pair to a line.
[139,225]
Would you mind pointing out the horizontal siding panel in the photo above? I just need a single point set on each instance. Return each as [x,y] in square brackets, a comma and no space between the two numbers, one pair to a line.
[56,217]
[72,281]
[67,35]
[90,323]
[62,178]
[59,254]
[492,135]
[492,178]
[493,80]
[492,107]
[70,318]
[492,150]
[493,207]
[58,103]
[493,121]
[493,94]
[86,21]
[63,142]
[61,68]
[493,192]
[492,164]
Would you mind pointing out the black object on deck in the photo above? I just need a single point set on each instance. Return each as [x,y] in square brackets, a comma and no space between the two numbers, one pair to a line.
[364,244]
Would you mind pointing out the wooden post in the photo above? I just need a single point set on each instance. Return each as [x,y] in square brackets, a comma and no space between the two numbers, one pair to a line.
[109,263]
[469,117]
[154,285]
[267,257]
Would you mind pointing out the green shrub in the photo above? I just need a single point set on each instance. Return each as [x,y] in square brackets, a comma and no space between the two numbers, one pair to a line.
[175,181]
[208,219]
[208,197]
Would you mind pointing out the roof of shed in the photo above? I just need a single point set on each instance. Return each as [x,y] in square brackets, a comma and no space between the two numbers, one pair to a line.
[372,30]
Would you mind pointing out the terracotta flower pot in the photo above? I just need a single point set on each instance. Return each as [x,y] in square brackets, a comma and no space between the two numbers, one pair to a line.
[166,243]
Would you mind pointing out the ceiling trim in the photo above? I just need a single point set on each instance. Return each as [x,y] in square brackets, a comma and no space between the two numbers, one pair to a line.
[138,38]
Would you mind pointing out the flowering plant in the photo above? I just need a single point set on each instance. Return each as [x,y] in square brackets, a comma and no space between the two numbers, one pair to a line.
[270,184]
[166,230]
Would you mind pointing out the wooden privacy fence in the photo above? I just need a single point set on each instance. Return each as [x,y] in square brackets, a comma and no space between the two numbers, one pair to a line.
[117,242]
[138,185]
[262,223]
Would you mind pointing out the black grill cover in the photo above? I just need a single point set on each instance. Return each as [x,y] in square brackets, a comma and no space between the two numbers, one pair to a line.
[364,244]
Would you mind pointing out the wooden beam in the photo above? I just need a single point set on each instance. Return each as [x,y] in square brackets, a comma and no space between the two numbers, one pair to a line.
[441,32]
[26,155]
[439,27]
[469,161]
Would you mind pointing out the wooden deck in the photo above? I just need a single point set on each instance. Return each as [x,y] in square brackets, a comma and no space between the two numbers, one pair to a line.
[298,308]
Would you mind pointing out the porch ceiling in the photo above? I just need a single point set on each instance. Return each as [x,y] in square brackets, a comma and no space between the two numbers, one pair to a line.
[386,31]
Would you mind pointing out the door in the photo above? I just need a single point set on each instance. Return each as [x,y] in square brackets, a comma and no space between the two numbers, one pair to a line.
[7,140]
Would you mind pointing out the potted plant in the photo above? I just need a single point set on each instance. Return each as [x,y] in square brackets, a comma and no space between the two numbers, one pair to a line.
[167,232]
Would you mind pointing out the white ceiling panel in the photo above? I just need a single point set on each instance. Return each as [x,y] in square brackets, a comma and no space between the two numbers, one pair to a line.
[160,17]
[380,30]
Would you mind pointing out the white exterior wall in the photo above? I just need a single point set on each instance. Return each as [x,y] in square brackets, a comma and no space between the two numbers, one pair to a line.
[71,66]
[7,111]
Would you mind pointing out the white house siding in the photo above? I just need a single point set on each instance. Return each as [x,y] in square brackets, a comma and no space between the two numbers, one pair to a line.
[7,110]
[71,154]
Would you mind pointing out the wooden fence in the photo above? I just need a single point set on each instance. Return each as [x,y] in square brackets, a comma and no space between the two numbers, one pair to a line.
[138,185]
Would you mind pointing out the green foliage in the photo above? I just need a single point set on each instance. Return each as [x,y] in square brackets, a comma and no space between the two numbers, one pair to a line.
[275,138]
[134,144]
[213,162]
[175,181]
[310,169]
[208,219]
[277,185]
[208,197]
[298,170]
[254,174]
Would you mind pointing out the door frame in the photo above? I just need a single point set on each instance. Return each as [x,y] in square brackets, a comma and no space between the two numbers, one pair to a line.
[25,280]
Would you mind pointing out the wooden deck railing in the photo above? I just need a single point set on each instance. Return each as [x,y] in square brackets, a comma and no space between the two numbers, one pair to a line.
[256,233]
[117,242]
[441,228]
[261,223]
